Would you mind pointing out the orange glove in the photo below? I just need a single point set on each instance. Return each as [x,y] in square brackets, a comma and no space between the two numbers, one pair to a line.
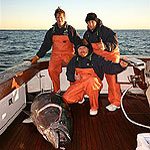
[34,59]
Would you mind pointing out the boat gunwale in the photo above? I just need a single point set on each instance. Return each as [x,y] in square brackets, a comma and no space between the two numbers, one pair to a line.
[6,87]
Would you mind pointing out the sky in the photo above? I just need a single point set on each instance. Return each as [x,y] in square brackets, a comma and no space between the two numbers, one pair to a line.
[39,14]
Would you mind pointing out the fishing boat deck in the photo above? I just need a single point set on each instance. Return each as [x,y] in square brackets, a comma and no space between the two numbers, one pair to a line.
[105,131]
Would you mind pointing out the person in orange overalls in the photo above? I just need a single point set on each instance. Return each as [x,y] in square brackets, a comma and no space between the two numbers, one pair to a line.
[85,71]
[104,42]
[62,38]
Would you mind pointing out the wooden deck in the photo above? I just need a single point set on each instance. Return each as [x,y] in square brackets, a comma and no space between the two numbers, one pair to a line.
[106,131]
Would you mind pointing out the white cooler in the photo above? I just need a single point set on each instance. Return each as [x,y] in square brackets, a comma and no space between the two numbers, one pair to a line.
[143,141]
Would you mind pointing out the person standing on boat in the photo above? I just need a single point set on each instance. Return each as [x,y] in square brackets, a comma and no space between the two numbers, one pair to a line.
[62,38]
[85,71]
[104,42]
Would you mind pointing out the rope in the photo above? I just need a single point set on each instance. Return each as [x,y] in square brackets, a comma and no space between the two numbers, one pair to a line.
[138,124]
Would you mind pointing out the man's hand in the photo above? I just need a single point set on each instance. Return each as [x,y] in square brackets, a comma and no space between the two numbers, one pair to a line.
[34,59]
[101,46]
[123,62]
[77,76]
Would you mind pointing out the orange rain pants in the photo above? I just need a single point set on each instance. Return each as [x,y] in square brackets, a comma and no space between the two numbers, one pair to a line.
[89,84]
[62,52]
[114,93]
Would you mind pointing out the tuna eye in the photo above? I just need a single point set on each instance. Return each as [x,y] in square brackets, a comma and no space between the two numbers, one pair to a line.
[61,122]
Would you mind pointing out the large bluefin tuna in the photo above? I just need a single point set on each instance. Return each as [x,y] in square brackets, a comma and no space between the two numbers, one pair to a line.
[51,116]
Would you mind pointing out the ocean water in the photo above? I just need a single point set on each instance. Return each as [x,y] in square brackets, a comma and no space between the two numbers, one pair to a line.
[18,45]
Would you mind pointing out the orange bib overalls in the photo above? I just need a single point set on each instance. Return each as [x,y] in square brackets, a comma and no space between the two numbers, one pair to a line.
[62,52]
[89,84]
[114,93]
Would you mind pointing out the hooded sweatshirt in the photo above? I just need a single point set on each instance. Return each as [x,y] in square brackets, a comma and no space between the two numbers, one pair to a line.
[109,37]
[55,30]
[98,63]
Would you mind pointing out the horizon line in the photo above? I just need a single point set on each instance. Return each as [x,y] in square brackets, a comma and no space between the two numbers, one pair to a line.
[76,29]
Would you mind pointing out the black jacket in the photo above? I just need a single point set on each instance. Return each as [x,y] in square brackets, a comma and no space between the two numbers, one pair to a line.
[98,63]
[108,36]
[55,30]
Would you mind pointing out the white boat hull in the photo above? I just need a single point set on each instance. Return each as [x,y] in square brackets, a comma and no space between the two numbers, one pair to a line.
[11,106]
